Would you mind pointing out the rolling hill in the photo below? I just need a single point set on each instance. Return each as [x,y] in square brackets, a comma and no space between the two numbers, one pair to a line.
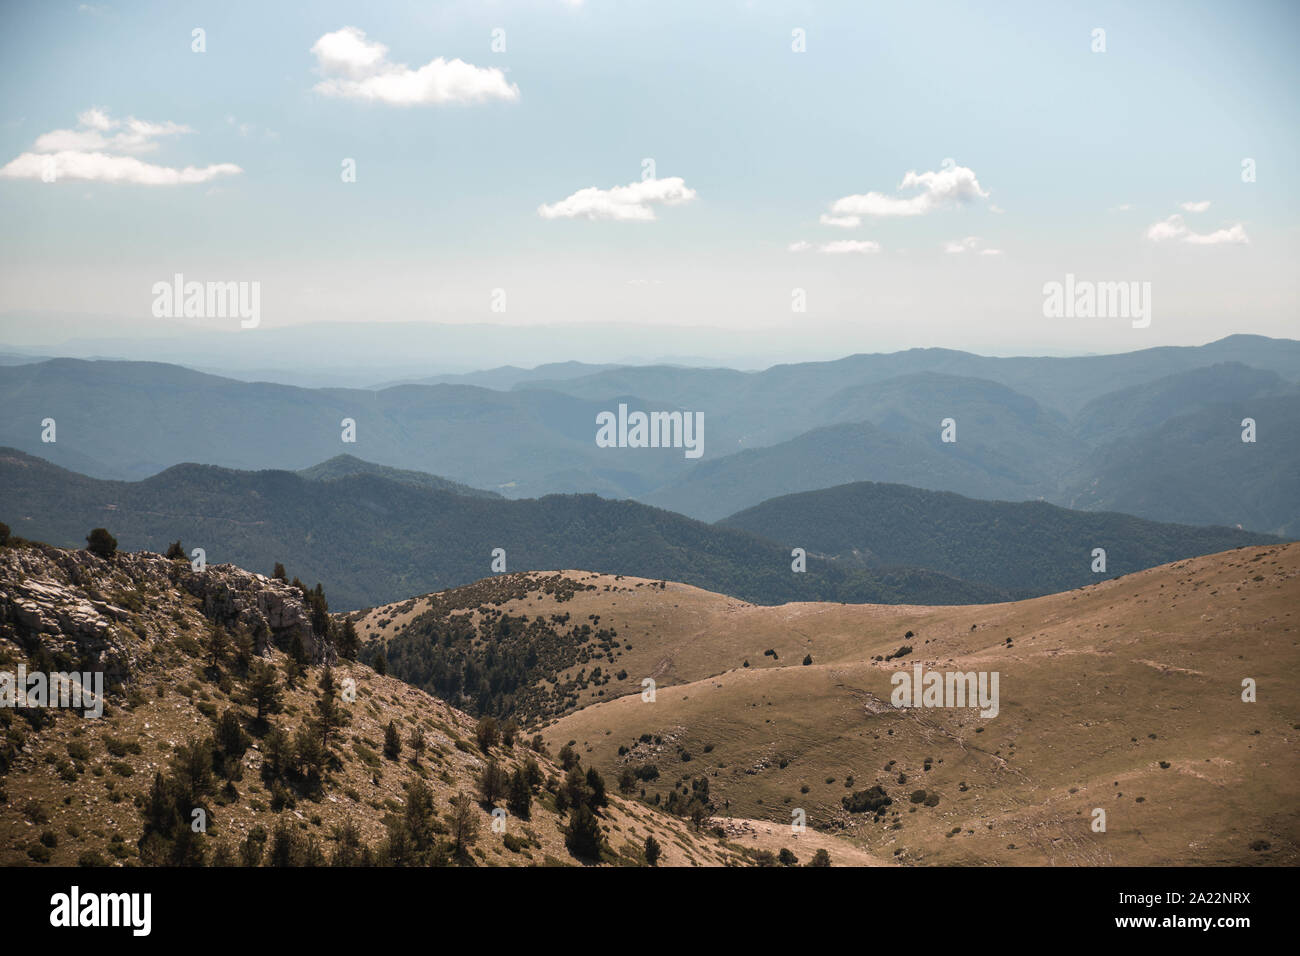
[1125,696]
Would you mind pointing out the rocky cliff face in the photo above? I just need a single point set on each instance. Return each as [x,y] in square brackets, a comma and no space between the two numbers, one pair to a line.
[102,613]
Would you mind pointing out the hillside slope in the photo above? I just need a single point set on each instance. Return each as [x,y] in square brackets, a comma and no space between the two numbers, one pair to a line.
[181,733]
[1124,696]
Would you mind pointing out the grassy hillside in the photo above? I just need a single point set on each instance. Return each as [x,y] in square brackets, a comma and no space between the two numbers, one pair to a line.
[1124,696]
[315,780]
[1025,548]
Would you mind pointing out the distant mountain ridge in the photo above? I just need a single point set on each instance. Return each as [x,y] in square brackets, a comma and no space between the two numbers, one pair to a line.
[1025,548]
[344,466]
[1078,432]
[371,539]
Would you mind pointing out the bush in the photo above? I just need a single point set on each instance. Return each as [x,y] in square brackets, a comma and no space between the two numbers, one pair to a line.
[99,542]
[41,854]
[873,800]
[582,837]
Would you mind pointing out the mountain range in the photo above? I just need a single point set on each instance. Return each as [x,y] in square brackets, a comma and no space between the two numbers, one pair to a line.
[1155,433]
[374,534]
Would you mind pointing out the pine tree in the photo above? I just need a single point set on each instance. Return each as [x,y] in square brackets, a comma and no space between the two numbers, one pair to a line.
[583,836]
[310,756]
[463,822]
[487,733]
[652,851]
[392,742]
[264,690]
[279,573]
[320,611]
[175,551]
[328,713]
[492,782]
[217,645]
[568,759]
[419,814]
[596,785]
[575,789]
[192,768]
[349,643]
[520,798]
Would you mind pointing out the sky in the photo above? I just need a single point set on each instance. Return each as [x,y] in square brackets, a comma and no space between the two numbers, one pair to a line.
[825,177]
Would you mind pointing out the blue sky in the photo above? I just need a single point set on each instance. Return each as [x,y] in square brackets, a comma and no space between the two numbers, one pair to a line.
[1074,156]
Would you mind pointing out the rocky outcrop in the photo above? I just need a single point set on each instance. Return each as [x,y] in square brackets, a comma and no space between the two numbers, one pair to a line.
[104,613]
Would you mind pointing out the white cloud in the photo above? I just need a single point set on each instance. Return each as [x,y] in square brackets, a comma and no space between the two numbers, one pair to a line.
[842,222]
[799,246]
[1171,228]
[94,126]
[91,153]
[631,203]
[1233,235]
[951,185]
[969,244]
[847,246]
[359,69]
[1175,228]
[1200,206]
[101,167]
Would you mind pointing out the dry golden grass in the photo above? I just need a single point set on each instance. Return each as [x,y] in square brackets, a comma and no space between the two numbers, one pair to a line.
[1100,689]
